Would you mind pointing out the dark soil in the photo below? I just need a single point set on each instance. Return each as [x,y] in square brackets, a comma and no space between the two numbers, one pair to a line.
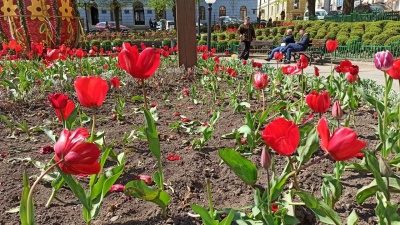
[185,177]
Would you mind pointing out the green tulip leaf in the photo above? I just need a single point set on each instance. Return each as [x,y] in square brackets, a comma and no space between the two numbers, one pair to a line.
[311,146]
[370,190]
[228,220]
[139,189]
[205,217]
[373,166]
[241,166]
[379,105]
[152,135]
[353,218]
[323,212]
[27,216]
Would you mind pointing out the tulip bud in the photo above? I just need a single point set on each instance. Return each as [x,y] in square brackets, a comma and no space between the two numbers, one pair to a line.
[260,80]
[351,78]
[384,168]
[383,60]
[337,111]
[265,158]
[354,70]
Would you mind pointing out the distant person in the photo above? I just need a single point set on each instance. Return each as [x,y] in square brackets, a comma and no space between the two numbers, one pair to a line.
[107,25]
[151,23]
[286,40]
[247,34]
[300,45]
[283,15]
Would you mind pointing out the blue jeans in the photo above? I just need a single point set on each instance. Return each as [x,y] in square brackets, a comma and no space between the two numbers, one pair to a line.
[277,49]
[292,48]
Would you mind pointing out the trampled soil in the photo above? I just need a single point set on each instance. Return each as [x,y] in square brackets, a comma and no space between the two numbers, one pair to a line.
[185,177]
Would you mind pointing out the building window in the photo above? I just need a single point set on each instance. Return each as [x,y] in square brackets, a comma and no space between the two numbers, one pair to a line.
[222,11]
[103,11]
[296,4]
[202,13]
[126,11]
[243,12]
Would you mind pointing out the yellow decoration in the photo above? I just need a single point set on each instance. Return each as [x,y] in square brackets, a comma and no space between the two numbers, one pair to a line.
[37,10]
[8,9]
[66,10]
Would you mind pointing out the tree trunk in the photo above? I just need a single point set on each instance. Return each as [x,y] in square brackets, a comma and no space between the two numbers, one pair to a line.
[174,14]
[348,6]
[311,7]
[116,17]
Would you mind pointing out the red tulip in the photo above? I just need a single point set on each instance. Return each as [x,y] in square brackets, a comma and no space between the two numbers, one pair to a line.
[58,100]
[342,145]
[278,55]
[291,70]
[319,103]
[79,53]
[52,54]
[231,72]
[91,90]
[337,111]
[139,65]
[74,155]
[394,72]
[351,78]
[353,70]
[260,80]
[115,82]
[331,45]
[37,48]
[217,60]
[316,71]
[343,67]
[165,54]
[303,62]
[282,135]
[66,111]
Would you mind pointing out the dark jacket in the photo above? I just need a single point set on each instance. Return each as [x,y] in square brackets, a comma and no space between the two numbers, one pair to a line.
[247,30]
[304,40]
[288,39]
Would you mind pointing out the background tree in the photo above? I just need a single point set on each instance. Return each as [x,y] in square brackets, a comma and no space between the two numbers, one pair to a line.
[311,7]
[348,6]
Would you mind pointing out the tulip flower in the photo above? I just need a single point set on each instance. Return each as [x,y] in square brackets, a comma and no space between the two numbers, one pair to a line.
[343,67]
[115,82]
[58,100]
[278,56]
[91,90]
[52,54]
[282,135]
[353,70]
[37,48]
[260,80]
[383,60]
[331,45]
[351,78]
[74,155]
[265,158]
[316,71]
[337,111]
[139,65]
[318,102]
[291,70]
[342,145]
[63,114]
[231,72]
[394,72]
[303,62]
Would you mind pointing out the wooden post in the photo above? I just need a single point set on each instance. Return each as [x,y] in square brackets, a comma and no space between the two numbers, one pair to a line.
[186,29]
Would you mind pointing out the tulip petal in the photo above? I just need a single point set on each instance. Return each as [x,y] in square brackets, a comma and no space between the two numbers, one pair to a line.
[85,153]
[324,134]
[344,144]
[75,169]
[282,135]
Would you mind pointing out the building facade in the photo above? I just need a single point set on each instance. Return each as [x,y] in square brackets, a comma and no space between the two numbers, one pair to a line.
[137,13]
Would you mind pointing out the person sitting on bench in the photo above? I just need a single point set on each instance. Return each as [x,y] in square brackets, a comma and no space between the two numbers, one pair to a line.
[287,39]
[299,46]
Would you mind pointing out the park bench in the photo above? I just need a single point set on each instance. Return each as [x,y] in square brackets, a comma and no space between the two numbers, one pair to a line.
[314,51]
[260,46]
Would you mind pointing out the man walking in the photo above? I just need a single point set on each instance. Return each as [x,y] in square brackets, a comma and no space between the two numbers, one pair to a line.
[301,45]
[247,34]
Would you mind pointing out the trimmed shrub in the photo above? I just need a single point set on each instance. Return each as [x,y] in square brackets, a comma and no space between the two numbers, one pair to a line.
[367,37]
[330,36]
[95,42]
[232,42]
[320,34]
[274,30]
[214,37]
[259,38]
[222,45]
[380,39]
[392,39]
[202,42]
[259,32]
[231,36]
[106,45]
[117,42]
[204,37]
[223,27]
[342,39]
[222,36]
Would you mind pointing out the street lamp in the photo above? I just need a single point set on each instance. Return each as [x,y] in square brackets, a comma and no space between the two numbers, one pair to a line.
[84,3]
[209,2]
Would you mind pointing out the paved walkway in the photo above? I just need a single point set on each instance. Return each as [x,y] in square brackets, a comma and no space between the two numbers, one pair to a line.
[367,70]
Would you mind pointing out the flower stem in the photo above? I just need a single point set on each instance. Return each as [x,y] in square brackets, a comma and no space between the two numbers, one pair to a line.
[387,188]
[263,99]
[29,199]
[144,94]
[63,119]
[93,126]
[384,154]
[294,174]
[210,202]
[267,190]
